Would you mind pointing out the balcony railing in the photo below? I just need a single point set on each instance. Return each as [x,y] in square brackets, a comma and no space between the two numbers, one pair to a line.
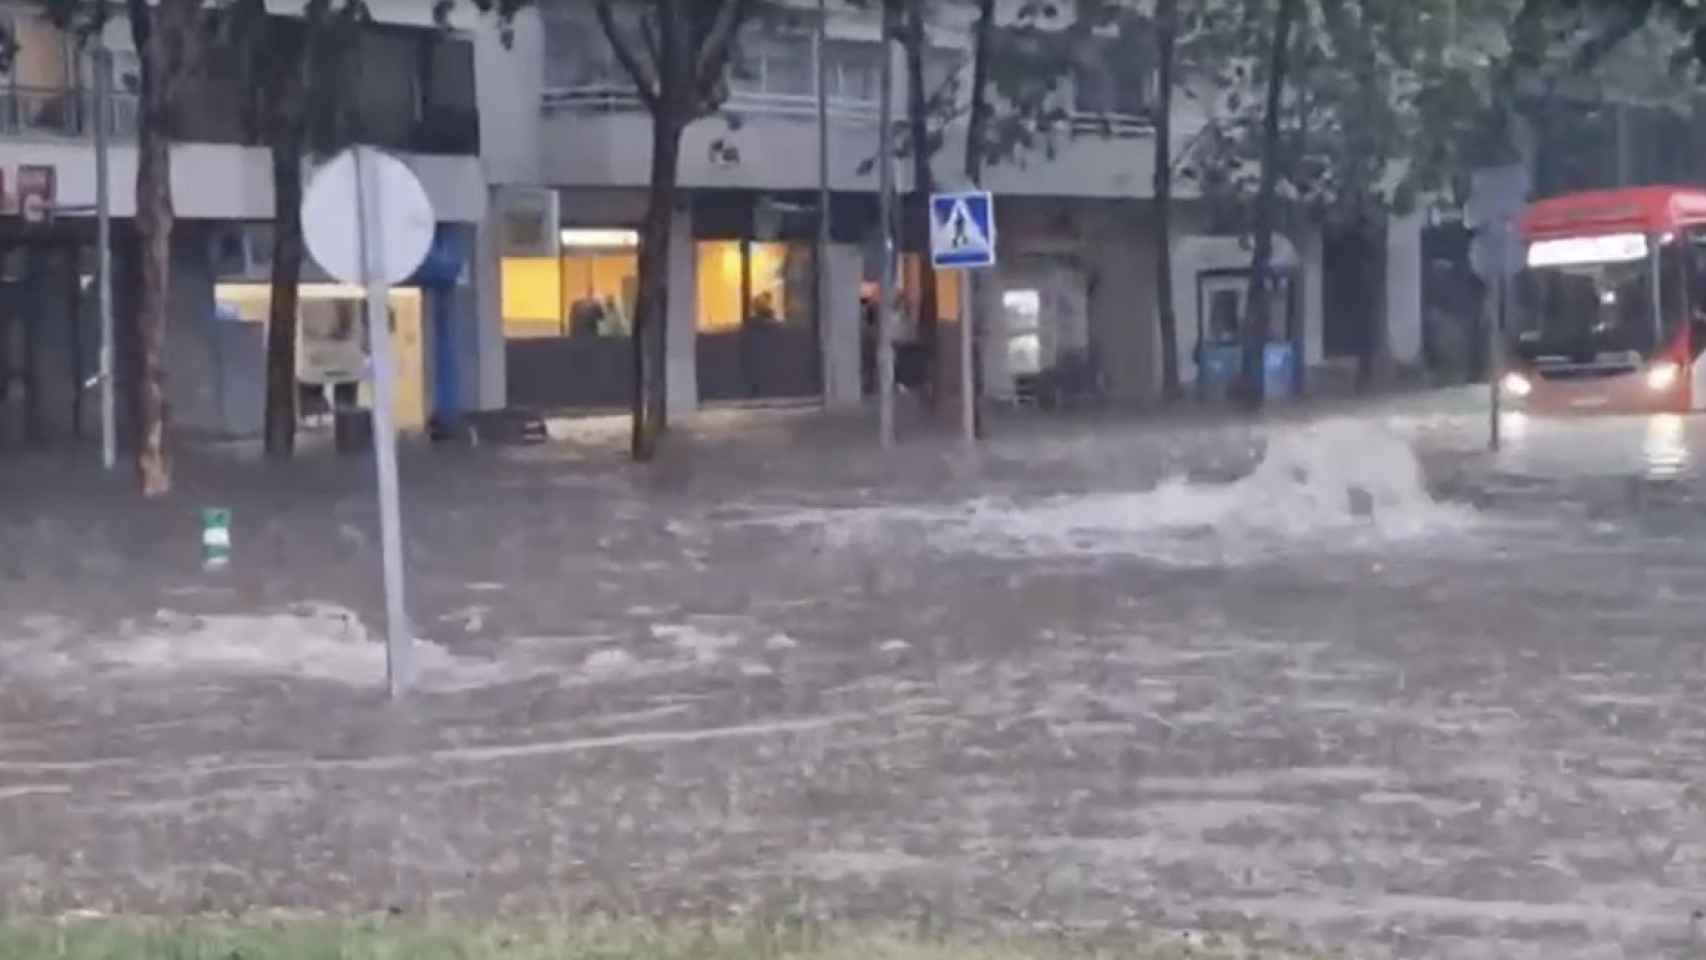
[621,98]
[62,112]
[1124,126]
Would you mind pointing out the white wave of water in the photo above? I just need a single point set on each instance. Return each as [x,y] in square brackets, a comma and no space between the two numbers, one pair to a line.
[1346,482]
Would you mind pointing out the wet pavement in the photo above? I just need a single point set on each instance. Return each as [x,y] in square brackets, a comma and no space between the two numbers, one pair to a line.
[1336,681]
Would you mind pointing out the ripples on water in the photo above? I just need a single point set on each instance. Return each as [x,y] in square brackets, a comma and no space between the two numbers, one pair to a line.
[1659,446]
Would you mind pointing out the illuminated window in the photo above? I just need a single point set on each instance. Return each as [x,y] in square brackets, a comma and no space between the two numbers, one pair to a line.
[590,291]
[600,289]
[777,284]
[719,270]
[531,297]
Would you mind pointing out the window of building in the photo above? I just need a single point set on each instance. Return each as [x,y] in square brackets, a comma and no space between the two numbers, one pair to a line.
[578,56]
[912,286]
[768,283]
[1022,309]
[590,290]
[853,70]
[940,70]
[776,65]
[1114,76]
[532,297]
[600,289]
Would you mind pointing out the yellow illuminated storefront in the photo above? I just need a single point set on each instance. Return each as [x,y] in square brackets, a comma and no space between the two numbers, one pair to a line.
[588,291]
[722,288]
[567,318]
[326,305]
[597,280]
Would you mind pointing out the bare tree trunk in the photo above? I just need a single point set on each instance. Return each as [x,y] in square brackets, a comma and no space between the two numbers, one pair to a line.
[1374,363]
[1261,264]
[288,137]
[651,312]
[164,36]
[976,132]
[1166,33]
[918,123]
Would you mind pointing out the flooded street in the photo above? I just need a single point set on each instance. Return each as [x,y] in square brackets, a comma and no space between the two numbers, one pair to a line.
[1347,683]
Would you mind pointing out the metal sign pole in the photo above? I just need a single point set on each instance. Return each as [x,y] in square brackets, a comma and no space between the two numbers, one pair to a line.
[399,643]
[885,214]
[104,252]
[968,375]
[820,259]
[1495,362]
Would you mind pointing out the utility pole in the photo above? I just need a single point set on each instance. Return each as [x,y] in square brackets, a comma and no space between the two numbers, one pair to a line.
[826,365]
[104,249]
[885,217]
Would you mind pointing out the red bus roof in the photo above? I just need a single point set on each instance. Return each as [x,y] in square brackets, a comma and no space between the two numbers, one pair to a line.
[1629,210]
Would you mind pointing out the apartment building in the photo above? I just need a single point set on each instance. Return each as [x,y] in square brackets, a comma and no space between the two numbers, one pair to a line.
[535,153]
[411,90]
[567,149]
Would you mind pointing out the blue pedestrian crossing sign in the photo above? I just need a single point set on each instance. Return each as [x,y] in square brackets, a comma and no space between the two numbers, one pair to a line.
[962,229]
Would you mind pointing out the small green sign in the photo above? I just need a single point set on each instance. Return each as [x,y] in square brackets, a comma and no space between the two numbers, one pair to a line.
[215,537]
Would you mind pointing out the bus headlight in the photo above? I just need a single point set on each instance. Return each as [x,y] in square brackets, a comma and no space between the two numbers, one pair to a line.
[1516,385]
[1662,376]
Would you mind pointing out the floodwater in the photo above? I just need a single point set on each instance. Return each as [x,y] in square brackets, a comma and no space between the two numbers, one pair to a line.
[1346,682]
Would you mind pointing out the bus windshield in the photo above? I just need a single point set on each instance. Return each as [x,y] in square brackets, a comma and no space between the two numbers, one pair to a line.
[1583,309]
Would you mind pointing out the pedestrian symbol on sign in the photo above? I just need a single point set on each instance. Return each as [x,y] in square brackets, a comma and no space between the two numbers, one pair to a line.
[962,230]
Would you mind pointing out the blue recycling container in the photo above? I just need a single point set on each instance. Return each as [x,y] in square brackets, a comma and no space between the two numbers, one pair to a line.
[1279,370]
[1220,367]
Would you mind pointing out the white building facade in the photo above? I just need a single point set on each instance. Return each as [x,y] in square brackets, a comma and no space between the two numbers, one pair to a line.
[414,95]
[567,151]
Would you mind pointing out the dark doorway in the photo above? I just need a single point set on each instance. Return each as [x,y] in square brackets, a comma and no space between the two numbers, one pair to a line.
[1352,285]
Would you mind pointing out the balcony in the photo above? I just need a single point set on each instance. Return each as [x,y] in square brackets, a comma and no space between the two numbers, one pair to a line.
[600,98]
[1122,126]
[62,113]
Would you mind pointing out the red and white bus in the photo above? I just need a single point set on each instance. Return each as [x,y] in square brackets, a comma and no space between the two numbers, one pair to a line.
[1609,312]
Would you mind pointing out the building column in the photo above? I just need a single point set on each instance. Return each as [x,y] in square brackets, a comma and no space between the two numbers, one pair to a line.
[681,330]
[1312,251]
[992,327]
[842,328]
[488,388]
[1404,288]
[1122,304]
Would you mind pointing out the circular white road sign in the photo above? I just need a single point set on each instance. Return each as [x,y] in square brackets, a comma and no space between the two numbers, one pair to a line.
[331,216]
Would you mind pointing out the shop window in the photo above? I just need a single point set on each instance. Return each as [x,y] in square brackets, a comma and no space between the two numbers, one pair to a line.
[1022,310]
[719,282]
[531,297]
[766,283]
[588,291]
[600,290]
[947,290]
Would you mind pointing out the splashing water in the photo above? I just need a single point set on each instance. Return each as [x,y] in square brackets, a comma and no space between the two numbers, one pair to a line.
[1350,482]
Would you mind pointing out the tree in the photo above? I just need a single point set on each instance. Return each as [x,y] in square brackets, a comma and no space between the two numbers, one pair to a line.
[301,71]
[1383,106]
[171,39]
[1166,33]
[982,41]
[1014,102]
[1267,199]
[288,56]
[168,42]
[675,52]
[913,41]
